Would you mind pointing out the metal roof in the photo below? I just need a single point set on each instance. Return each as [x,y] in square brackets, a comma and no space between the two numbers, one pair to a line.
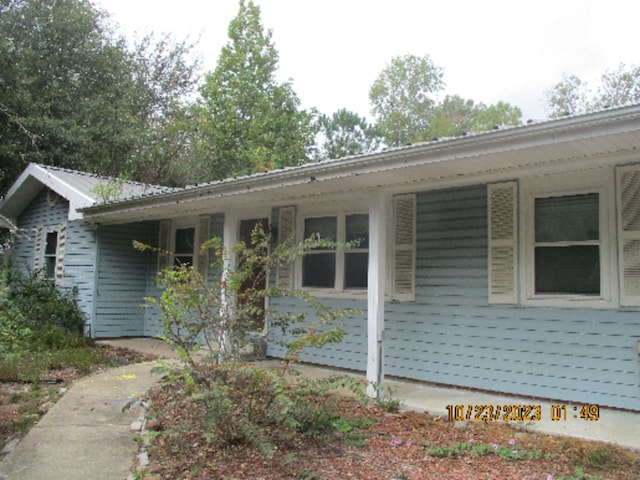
[578,142]
[81,189]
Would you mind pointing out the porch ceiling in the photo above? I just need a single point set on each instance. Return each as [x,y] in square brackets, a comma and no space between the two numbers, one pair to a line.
[563,145]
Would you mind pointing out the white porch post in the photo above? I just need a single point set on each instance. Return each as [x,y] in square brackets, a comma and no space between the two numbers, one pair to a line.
[230,234]
[375,292]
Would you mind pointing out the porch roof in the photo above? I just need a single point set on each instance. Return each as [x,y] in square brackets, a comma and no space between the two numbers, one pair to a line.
[569,143]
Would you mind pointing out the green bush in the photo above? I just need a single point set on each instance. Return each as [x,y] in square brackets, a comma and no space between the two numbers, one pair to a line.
[261,407]
[36,315]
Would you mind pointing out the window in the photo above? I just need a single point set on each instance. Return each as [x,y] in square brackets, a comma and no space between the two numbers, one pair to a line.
[566,248]
[179,244]
[567,245]
[356,259]
[50,244]
[184,243]
[342,269]
[50,254]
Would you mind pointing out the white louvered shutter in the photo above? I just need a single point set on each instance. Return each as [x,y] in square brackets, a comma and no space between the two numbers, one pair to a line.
[37,256]
[628,194]
[503,248]
[60,253]
[164,256]
[404,247]
[204,222]
[286,232]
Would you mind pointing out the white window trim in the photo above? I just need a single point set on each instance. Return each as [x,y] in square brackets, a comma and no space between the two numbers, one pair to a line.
[603,184]
[336,291]
[180,224]
[59,256]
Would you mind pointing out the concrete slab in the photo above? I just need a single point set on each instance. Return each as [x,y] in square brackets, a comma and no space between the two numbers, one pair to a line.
[86,434]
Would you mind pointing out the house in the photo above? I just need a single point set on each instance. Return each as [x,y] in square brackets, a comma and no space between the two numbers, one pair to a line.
[507,260]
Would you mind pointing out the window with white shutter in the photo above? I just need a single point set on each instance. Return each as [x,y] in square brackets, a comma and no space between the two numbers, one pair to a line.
[50,246]
[60,252]
[502,242]
[628,194]
[404,247]
[164,254]
[204,222]
[286,231]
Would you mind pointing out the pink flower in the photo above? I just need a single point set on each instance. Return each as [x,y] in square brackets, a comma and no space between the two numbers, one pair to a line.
[395,442]
[471,440]
[495,446]
[408,443]
[515,452]
[549,477]
[512,441]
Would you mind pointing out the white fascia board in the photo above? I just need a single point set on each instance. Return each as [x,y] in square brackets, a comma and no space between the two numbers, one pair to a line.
[542,135]
[77,199]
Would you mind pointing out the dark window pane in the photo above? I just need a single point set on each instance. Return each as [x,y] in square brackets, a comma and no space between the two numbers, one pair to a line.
[573,270]
[356,266]
[358,230]
[50,266]
[319,270]
[569,218]
[327,227]
[183,260]
[52,243]
[185,240]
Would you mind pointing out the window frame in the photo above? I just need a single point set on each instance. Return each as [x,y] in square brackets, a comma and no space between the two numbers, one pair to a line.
[58,256]
[547,187]
[338,289]
[183,225]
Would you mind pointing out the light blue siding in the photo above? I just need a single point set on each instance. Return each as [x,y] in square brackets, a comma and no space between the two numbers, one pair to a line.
[80,252]
[451,335]
[121,280]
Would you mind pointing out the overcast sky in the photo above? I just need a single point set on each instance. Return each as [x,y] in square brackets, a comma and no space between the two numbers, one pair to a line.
[491,50]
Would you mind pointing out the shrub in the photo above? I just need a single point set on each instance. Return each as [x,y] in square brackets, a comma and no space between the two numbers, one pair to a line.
[36,315]
[262,407]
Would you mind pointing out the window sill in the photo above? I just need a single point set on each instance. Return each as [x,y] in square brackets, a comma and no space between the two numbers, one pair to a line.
[569,301]
[331,293]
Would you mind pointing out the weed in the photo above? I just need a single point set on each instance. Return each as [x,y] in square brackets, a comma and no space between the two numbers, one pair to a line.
[389,403]
[579,474]
[476,449]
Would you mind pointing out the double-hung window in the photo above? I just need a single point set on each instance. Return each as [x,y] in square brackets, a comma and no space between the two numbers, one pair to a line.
[50,254]
[337,269]
[567,249]
[567,244]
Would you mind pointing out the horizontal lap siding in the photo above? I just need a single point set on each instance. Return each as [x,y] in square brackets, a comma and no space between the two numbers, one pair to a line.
[38,214]
[351,353]
[152,314]
[79,265]
[122,281]
[80,248]
[451,335]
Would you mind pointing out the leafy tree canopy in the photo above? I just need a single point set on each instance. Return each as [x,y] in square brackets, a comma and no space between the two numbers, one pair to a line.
[249,121]
[404,96]
[617,88]
[407,108]
[73,94]
[344,133]
[455,116]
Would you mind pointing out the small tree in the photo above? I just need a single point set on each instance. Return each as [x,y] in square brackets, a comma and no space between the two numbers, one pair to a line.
[220,315]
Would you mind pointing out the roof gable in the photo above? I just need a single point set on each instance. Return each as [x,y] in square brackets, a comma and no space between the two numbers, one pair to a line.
[81,189]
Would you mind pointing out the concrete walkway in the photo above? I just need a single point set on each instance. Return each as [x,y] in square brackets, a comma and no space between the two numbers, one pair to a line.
[86,435]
